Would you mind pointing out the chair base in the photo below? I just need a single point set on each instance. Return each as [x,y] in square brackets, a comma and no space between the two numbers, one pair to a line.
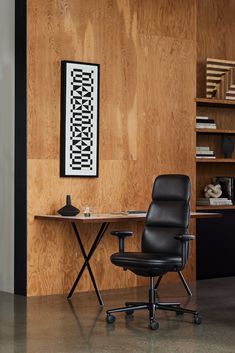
[152,306]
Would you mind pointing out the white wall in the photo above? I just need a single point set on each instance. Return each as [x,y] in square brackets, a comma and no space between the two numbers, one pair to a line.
[7,145]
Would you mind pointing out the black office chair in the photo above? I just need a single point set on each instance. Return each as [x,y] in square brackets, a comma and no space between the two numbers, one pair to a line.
[165,245]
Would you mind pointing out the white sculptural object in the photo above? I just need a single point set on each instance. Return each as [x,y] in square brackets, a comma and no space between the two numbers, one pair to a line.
[213,190]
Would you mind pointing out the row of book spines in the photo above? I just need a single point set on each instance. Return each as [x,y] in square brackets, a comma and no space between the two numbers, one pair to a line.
[208,121]
[202,148]
[205,126]
[206,157]
[213,201]
[205,153]
[203,117]
[222,203]
[219,203]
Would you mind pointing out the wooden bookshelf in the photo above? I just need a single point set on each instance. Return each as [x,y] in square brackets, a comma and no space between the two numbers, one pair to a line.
[215,131]
[219,103]
[207,168]
[215,160]
[222,207]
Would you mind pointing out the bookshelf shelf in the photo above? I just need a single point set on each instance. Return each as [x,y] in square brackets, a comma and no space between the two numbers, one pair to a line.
[203,208]
[215,131]
[207,169]
[216,160]
[210,102]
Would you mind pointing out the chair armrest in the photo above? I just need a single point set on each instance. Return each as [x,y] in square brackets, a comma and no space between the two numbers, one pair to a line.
[184,237]
[121,234]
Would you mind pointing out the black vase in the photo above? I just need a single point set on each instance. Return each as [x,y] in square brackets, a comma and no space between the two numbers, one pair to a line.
[68,209]
[227,147]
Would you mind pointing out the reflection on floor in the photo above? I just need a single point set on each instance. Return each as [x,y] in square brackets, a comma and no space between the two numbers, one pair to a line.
[52,325]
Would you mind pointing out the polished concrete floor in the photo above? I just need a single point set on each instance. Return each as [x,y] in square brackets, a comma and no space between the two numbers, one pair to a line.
[52,325]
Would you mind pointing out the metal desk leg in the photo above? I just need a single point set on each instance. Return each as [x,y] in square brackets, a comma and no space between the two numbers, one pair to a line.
[87,258]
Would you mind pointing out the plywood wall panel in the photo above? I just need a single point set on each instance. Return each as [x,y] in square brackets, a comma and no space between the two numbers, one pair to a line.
[167,126]
[215,35]
[167,18]
[147,87]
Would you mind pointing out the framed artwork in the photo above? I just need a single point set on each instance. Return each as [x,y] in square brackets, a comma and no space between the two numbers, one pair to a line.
[79,119]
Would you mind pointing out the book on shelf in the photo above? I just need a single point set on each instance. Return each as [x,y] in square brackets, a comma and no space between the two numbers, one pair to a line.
[205,157]
[202,117]
[207,199]
[231,98]
[202,121]
[230,93]
[202,148]
[205,153]
[214,201]
[205,126]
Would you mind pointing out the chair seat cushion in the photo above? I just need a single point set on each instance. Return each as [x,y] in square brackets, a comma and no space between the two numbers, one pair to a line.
[147,264]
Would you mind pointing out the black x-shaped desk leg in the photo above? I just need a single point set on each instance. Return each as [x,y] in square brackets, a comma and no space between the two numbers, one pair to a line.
[87,258]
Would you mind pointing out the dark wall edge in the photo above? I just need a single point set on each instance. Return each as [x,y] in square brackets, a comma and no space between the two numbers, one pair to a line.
[20,211]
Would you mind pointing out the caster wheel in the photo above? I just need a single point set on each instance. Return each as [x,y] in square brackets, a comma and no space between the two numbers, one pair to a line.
[110,318]
[154,325]
[130,313]
[197,319]
[179,313]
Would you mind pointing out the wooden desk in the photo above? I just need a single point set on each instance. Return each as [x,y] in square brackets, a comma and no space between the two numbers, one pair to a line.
[105,219]
[115,217]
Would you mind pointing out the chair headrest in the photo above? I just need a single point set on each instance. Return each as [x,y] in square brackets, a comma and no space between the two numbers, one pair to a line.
[171,187]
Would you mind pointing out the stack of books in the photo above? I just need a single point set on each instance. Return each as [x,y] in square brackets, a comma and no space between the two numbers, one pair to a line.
[214,201]
[203,122]
[204,152]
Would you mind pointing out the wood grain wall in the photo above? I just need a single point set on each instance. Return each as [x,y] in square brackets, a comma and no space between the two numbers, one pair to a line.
[215,35]
[146,50]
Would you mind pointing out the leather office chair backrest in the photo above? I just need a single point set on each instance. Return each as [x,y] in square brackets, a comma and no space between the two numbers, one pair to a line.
[168,215]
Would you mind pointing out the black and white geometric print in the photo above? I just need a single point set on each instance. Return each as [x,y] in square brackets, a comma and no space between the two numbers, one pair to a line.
[81,119]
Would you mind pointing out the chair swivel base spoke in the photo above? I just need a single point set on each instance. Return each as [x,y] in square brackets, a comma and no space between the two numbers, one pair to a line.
[168,304]
[152,308]
[127,309]
[135,303]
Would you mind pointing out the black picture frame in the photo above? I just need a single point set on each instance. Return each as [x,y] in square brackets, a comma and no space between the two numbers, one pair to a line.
[79,132]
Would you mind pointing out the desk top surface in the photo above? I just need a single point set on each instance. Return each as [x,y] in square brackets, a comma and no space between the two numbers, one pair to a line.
[115,217]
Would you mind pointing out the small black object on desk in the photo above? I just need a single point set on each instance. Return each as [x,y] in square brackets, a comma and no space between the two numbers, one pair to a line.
[68,210]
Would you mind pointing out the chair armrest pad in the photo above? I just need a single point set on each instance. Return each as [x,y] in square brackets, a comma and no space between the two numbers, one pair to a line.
[184,237]
[121,233]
